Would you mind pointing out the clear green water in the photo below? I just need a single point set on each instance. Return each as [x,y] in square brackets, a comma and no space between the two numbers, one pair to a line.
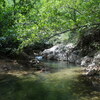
[64,83]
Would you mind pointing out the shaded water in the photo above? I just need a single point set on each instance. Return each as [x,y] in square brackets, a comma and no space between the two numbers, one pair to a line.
[65,83]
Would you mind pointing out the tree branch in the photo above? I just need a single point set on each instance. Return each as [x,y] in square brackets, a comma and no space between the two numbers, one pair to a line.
[97,24]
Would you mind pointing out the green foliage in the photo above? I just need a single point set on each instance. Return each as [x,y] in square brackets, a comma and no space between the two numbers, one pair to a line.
[33,21]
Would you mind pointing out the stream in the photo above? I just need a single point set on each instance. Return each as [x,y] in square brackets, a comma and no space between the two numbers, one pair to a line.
[64,82]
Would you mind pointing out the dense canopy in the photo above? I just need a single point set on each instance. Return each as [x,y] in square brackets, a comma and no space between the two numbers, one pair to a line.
[27,22]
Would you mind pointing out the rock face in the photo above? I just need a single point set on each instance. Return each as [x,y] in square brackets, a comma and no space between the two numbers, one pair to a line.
[62,52]
[58,52]
[86,61]
[92,69]
[75,57]
[92,65]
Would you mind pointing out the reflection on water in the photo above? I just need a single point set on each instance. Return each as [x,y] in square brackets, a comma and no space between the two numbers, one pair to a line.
[64,84]
[59,64]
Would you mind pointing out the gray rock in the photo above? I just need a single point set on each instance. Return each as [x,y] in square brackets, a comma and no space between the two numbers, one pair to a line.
[58,52]
[92,64]
[73,58]
[86,61]
[96,59]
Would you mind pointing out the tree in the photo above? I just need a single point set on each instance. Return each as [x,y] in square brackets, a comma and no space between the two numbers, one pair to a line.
[34,21]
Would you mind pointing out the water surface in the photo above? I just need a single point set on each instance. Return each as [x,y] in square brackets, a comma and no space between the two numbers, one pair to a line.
[64,83]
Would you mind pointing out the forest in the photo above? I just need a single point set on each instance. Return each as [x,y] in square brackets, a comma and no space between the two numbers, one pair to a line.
[49,49]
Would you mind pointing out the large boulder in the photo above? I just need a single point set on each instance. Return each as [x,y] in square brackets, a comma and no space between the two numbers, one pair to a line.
[75,57]
[50,53]
[58,52]
[63,52]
